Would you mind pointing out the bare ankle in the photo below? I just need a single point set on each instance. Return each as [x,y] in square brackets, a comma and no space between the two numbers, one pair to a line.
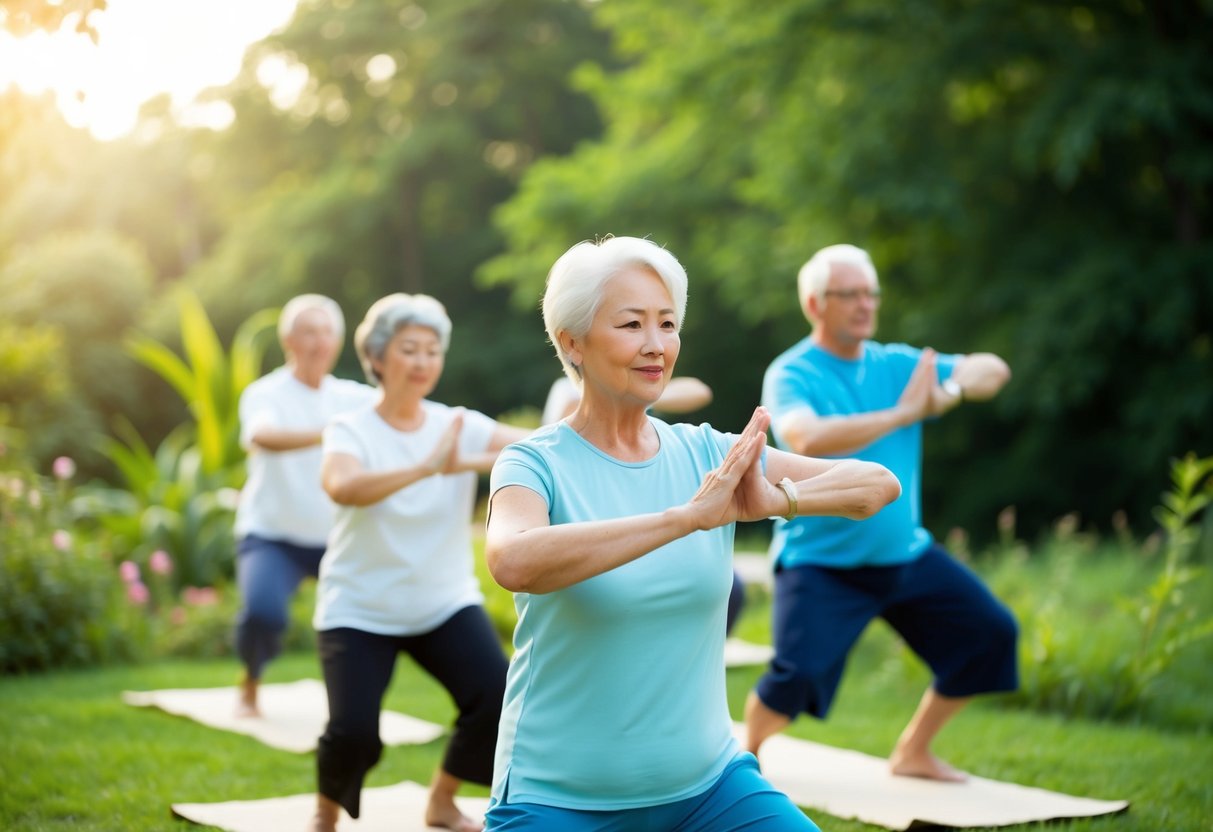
[327,814]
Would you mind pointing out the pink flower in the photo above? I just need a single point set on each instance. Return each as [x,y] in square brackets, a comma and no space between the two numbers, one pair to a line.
[64,467]
[160,562]
[200,596]
[61,540]
[129,570]
[137,592]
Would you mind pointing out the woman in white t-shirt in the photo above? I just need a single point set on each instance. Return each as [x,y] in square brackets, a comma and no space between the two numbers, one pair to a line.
[283,518]
[398,573]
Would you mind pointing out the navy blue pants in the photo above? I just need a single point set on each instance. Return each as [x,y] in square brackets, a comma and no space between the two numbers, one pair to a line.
[268,572]
[943,611]
[463,654]
[736,602]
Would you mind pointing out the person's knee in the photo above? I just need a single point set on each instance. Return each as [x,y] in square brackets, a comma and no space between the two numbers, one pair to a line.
[1001,628]
[263,614]
[794,690]
[483,710]
[355,747]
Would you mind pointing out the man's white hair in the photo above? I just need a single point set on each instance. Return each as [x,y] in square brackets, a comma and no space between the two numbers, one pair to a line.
[814,277]
[299,304]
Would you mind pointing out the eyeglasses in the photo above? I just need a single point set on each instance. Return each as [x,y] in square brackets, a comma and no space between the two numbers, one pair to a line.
[853,295]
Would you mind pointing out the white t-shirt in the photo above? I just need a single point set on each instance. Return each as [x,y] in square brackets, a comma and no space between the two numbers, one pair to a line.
[404,565]
[283,499]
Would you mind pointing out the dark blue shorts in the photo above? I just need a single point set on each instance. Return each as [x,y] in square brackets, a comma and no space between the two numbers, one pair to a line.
[740,799]
[943,611]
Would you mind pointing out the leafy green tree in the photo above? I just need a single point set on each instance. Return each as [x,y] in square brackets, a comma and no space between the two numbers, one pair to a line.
[1032,178]
[36,397]
[409,123]
[151,188]
[88,288]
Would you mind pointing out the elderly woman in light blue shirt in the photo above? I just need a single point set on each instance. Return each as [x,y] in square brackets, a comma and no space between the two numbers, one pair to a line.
[615,531]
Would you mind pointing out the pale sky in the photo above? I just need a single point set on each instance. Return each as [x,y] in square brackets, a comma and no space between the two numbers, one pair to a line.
[145,47]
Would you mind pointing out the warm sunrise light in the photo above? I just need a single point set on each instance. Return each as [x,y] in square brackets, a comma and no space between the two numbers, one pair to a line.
[145,48]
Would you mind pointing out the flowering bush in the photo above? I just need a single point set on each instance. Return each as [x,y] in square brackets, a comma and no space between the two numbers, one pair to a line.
[65,599]
[61,601]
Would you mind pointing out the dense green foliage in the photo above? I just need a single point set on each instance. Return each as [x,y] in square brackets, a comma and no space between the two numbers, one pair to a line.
[1032,178]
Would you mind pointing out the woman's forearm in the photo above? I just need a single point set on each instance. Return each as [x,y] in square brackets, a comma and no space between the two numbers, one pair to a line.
[548,558]
[366,488]
[851,488]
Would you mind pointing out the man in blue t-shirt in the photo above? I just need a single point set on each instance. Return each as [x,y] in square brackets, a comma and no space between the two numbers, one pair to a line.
[839,393]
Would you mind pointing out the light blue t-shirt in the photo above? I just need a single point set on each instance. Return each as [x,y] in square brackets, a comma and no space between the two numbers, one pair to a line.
[808,375]
[615,697]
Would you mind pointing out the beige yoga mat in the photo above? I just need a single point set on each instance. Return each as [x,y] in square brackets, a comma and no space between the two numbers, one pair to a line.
[398,808]
[738,653]
[848,784]
[293,714]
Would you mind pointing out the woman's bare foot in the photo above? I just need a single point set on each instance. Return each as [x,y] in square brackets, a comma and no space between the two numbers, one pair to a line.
[449,817]
[247,704]
[926,765]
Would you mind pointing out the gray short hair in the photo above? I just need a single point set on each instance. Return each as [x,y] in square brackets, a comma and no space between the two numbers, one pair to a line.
[576,280]
[299,304]
[814,275]
[389,315]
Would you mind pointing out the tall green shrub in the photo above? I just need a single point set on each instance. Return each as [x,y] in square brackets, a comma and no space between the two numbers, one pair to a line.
[210,380]
[1170,618]
[1090,654]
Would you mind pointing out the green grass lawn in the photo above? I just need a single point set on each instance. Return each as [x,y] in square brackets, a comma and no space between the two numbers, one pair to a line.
[75,757]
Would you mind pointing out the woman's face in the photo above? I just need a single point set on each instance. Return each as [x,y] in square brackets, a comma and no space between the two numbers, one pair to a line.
[412,361]
[312,343]
[630,349]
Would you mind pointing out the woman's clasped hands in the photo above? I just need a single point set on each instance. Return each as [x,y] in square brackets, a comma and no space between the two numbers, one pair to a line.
[737,490]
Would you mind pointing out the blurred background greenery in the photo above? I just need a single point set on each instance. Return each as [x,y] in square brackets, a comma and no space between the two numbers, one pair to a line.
[1033,178]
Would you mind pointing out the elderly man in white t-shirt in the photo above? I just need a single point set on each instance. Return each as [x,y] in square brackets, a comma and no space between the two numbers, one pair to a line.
[284,516]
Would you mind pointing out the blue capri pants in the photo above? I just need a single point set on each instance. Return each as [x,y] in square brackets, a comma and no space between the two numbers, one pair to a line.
[268,572]
[943,611]
[740,799]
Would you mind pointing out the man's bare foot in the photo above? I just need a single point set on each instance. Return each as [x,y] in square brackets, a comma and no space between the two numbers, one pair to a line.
[320,824]
[247,704]
[925,765]
[448,816]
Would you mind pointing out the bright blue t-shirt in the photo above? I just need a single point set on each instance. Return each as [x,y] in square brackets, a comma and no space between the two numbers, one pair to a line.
[807,375]
[615,697]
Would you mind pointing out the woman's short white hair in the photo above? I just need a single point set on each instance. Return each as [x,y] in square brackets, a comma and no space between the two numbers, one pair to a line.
[576,283]
[299,304]
[389,315]
[814,277]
